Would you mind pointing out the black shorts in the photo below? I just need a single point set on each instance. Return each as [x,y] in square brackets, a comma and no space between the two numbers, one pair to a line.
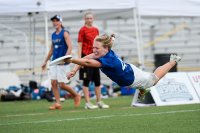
[88,74]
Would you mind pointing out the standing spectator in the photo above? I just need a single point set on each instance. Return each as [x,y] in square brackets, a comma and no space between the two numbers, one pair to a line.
[61,45]
[86,37]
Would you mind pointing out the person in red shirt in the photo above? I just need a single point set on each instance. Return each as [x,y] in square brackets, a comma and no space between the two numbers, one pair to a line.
[86,37]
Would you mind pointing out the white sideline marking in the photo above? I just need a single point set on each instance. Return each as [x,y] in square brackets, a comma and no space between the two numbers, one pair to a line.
[98,117]
[33,114]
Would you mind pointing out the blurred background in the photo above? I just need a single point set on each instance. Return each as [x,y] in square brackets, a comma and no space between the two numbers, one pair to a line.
[146,32]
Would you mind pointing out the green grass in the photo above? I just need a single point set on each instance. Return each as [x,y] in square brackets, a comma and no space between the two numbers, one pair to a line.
[34,117]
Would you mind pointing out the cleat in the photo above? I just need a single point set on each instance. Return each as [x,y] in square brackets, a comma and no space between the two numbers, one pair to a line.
[90,106]
[175,58]
[102,105]
[142,93]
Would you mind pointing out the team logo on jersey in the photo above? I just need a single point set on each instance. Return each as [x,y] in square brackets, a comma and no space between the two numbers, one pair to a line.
[123,64]
[56,41]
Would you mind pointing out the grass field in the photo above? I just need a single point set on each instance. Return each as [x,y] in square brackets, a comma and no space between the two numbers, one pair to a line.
[34,117]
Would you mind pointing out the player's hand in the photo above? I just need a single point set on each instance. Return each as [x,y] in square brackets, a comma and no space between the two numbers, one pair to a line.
[67,61]
[71,74]
[44,65]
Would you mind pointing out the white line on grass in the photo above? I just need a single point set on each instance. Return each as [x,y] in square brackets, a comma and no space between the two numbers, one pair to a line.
[17,115]
[98,117]
[32,114]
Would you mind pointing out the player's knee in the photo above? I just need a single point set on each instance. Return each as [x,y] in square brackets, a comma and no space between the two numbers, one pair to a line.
[155,79]
[61,85]
[97,83]
[54,84]
[86,83]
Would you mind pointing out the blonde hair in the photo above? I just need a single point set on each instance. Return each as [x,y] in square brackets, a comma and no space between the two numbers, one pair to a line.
[88,13]
[106,40]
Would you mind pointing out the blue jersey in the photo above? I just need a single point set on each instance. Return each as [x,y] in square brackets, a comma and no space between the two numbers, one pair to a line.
[59,44]
[118,71]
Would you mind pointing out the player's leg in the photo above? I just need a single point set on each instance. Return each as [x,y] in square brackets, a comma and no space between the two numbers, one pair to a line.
[98,93]
[144,80]
[77,97]
[96,79]
[86,90]
[68,88]
[56,95]
[53,77]
[86,77]
[88,104]
[62,80]
[164,69]
[82,76]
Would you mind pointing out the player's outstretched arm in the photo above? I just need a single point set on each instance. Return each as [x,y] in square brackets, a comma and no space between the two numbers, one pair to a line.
[86,61]
[82,62]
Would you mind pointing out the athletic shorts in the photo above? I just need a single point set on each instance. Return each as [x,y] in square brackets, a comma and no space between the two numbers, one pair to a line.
[143,79]
[88,74]
[59,73]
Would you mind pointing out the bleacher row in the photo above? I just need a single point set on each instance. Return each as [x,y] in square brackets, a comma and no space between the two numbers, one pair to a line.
[22,58]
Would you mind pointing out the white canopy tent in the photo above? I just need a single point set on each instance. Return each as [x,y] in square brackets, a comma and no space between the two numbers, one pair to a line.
[47,6]
[18,6]
[139,8]
[169,7]
[146,7]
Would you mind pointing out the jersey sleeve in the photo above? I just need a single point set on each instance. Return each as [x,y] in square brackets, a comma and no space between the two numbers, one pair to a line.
[105,62]
[80,35]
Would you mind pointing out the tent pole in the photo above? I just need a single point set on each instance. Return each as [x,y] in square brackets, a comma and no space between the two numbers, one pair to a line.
[137,37]
[46,32]
[135,97]
[140,37]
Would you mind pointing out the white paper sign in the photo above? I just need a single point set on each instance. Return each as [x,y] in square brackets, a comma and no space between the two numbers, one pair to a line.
[174,89]
[195,80]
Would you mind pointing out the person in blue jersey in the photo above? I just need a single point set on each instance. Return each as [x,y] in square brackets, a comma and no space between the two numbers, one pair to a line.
[61,46]
[124,74]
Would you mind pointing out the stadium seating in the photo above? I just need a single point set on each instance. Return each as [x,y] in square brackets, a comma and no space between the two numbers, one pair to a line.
[21,57]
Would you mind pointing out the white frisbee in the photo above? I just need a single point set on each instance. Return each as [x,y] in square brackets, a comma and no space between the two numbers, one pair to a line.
[60,61]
